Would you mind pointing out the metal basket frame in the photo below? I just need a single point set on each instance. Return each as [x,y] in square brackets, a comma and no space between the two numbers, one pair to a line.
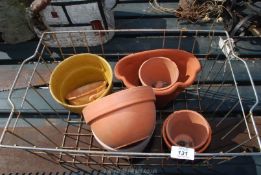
[58,153]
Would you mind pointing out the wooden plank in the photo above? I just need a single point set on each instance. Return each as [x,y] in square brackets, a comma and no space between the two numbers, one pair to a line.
[211,97]
[124,44]
[18,51]
[24,127]
[213,71]
[9,72]
[240,166]
[163,23]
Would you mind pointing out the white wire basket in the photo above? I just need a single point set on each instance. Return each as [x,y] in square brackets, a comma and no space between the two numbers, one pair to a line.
[224,93]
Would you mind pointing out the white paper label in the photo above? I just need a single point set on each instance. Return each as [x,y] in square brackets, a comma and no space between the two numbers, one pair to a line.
[178,152]
[221,42]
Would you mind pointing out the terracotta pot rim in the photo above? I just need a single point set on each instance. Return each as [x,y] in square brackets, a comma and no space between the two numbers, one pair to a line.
[205,123]
[97,108]
[163,58]
[199,150]
[68,60]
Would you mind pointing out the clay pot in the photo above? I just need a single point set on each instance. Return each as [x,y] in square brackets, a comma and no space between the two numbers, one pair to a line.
[123,118]
[75,72]
[187,128]
[204,147]
[164,135]
[169,144]
[160,73]
[87,93]
[188,65]
[137,147]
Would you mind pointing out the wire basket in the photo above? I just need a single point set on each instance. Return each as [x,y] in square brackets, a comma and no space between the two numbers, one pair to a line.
[224,93]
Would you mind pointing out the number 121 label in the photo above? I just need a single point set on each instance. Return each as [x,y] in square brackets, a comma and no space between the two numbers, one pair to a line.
[182,153]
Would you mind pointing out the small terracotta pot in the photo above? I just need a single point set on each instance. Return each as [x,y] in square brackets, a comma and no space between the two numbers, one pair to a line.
[204,147]
[168,143]
[188,65]
[123,118]
[76,71]
[187,128]
[160,73]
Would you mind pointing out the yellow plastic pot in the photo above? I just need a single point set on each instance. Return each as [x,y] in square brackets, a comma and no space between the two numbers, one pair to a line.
[77,71]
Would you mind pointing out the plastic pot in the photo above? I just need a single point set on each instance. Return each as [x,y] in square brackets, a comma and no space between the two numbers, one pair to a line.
[77,71]
[123,118]
[187,128]
[188,65]
[160,73]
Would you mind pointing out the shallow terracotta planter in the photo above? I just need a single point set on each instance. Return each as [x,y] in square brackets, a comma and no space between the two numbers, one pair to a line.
[86,93]
[188,65]
[187,128]
[169,144]
[77,71]
[123,118]
[160,73]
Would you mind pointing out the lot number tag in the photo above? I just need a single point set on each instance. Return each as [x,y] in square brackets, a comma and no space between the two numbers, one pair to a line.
[178,152]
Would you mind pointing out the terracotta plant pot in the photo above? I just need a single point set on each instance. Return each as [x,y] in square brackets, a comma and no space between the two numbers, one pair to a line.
[203,148]
[160,73]
[123,118]
[137,147]
[87,93]
[187,128]
[169,144]
[77,71]
[164,135]
[188,65]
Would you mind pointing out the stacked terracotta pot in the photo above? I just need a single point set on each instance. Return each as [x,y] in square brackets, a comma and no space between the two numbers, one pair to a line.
[187,128]
[167,71]
[123,121]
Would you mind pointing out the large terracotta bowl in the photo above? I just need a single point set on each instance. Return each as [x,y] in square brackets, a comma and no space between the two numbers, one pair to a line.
[123,118]
[76,71]
[188,65]
[187,128]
